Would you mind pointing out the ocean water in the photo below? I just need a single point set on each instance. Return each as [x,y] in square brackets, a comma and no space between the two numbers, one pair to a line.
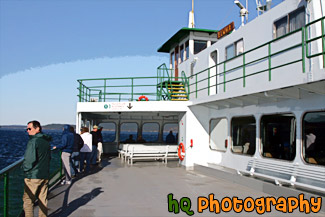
[13,144]
[12,147]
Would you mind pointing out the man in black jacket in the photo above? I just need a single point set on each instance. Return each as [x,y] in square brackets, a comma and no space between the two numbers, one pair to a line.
[78,143]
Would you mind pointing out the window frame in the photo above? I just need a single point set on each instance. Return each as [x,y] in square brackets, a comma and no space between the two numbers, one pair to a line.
[137,134]
[262,150]
[187,50]
[227,135]
[157,131]
[115,134]
[288,17]
[206,45]
[232,137]
[302,143]
[235,49]
[162,130]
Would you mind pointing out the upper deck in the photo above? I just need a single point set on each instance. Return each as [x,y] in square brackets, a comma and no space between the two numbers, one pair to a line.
[258,58]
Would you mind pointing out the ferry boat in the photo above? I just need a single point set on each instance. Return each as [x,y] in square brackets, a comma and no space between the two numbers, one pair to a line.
[248,101]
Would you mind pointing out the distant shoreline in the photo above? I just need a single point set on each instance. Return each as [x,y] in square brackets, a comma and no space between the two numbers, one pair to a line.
[45,127]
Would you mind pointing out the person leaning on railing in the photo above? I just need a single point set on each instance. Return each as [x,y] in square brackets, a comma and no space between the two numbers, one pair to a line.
[66,146]
[36,167]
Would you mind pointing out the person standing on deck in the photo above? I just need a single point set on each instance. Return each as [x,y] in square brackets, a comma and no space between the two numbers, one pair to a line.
[170,138]
[100,145]
[36,167]
[66,147]
[85,151]
[78,143]
[96,138]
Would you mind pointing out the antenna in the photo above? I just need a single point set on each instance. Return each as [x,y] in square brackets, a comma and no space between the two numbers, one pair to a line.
[243,11]
[263,6]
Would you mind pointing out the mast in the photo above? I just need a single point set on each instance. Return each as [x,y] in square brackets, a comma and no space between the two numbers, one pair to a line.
[191,17]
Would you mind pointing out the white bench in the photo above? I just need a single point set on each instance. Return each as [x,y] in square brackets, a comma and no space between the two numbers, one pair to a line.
[122,150]
[172,152]
[150,152]
[285,173]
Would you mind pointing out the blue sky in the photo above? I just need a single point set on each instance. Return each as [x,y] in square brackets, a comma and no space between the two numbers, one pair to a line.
[45,46]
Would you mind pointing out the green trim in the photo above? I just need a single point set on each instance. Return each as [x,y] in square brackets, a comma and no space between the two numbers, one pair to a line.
[180,35]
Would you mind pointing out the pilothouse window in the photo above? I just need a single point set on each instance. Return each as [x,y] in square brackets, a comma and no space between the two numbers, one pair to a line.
[182,52]
[314,138]
[187,50]
[199,46]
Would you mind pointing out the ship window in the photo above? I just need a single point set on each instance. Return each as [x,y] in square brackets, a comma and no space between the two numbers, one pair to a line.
[150,132]
[297,19]
[108,131]
[230,51]
[235,49]
[170,128]
[182,52]
[129,132]
[280,27]
[314,138]
[199,46]
[187,50]
[176,55]
[243,133]
[218,134]
[290,23]
[278,136]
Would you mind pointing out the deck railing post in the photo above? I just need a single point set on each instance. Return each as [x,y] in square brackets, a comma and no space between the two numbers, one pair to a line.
[105,90]
[323,42]
[131,89]
[244,71]
[303,49]
[195,85]
[80,87]
[6,195]
[269,58]
[209,82]
[224,76]
[60,165]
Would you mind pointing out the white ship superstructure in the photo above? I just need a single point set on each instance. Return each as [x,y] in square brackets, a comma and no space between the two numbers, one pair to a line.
[250,99]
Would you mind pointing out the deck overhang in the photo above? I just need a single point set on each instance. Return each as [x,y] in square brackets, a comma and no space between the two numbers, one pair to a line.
[141,110]
[270,96]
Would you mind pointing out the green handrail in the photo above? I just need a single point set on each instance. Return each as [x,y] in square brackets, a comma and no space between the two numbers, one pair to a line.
[186,83]
[305,41]
[98,89]
[13,173]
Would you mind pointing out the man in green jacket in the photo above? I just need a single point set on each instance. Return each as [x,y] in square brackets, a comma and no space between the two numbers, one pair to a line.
[36,168]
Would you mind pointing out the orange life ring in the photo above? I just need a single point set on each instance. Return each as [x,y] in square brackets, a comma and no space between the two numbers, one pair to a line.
[143,97]
[181,151]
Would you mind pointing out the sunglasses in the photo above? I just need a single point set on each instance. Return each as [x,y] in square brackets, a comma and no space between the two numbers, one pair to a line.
[28,129]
